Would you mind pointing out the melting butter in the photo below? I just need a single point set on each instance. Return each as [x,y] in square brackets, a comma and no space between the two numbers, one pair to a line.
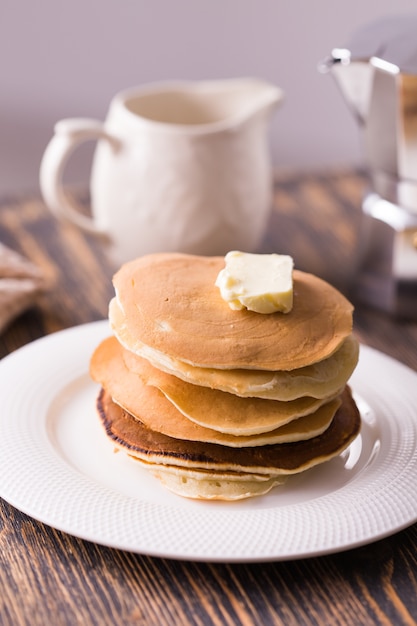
[258,282]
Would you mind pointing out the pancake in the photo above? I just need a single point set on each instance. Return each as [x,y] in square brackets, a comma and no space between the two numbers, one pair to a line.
[130,435]
[204,485]
[320,380]
[171,304]
[226,412]
[149,405]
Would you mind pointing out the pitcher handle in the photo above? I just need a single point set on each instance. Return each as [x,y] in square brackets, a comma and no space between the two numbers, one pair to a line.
[68,135]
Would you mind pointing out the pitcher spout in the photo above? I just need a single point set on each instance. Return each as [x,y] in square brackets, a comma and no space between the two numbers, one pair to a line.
[353,75]
[256,98]
[366,70]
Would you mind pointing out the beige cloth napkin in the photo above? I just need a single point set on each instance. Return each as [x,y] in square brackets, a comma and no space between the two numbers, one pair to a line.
[20,284]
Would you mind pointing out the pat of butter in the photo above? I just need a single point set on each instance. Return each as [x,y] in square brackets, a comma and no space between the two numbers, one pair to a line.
[258,282]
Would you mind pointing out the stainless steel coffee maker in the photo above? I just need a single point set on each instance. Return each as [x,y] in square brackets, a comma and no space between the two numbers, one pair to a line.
[377,74]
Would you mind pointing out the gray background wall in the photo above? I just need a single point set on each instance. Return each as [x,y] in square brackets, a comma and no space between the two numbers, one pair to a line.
[64,59]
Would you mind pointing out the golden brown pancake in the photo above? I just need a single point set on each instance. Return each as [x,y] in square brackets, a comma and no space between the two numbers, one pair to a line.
[320,380]
[148,404]
[171,304]
[129,434]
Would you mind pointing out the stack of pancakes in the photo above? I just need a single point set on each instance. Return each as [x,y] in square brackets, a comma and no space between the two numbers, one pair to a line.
[217,403]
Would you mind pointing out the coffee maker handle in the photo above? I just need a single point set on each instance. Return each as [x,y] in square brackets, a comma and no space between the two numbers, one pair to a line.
[69,134]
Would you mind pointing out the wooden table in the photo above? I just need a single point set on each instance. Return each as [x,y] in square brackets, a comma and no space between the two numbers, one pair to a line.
[49,577]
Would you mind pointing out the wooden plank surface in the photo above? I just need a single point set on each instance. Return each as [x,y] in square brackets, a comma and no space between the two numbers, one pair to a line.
[49,577]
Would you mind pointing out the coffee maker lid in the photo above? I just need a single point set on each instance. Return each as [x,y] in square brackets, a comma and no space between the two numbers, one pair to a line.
[391,39]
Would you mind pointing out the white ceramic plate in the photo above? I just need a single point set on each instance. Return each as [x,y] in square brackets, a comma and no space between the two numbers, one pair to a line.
[57,466]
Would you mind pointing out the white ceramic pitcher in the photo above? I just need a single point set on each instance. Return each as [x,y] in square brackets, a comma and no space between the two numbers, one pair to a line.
[178,167]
